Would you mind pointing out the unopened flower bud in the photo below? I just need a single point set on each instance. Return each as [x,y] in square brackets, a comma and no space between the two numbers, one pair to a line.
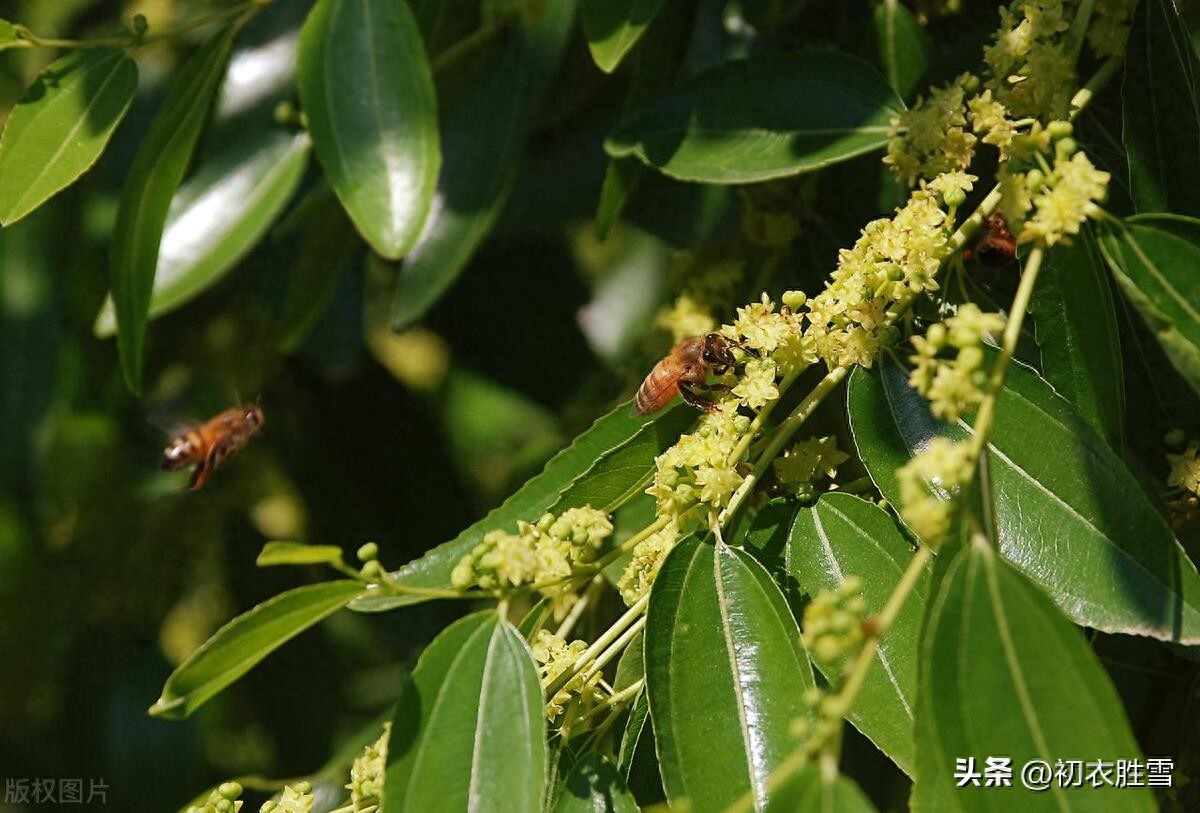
[368,552]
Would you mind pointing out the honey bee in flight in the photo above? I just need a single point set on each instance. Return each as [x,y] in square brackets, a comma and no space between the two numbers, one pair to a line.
[998,247]
[208,446]
[685,370]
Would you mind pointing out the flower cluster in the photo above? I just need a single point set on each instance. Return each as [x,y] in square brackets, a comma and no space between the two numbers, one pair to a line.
[1109,29]
[1029,68]
[555,657]
[893,260]
[542,551]
[953,387]
[928,485]
[931,137]
[367,773]
[799,467]
[833,622]
[823,723]
[297,798]
[647,560]
[223,799]
[1061,200]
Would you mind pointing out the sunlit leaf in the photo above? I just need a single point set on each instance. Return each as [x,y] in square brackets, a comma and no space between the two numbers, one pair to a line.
[298,553]
[811,791]
[149,188]
[469,727]
[218,215]
[843,536]
[770,116]
[61,126]
[1004,674]
[367,90]
[1154,260]
[726,674]
[1068,512]
[612,27]
[239,645]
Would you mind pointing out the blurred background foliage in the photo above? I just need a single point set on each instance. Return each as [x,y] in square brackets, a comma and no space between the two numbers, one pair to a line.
[110,574]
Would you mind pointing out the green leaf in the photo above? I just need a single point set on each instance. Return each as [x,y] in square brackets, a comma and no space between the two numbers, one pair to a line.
[655,66]
[503,91]
[594,786]
[767,117]
[1154,259]
[1068,512]
[218,216]
[239,645]
[1077,335]
[604,467]
[146,197]
[298,553]
[612,27]
[637,725]
[1004,674]
[811,792]
[1160,111]
[899,47]
[367,90]
[841,536]
[61,126]
[469,727]
[725,672]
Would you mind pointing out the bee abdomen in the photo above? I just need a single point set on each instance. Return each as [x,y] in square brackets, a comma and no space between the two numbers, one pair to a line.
[181,453]
[656,391]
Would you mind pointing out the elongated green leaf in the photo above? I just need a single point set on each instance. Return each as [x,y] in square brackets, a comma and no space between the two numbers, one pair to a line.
[483,132]
[1077,335]
[218,216]
[298,553]
[367,90]
[61,126]
[146,197]
[725,673]
[1154,260]
[900,47]
[469,729]
[812,792]
[767,117]
[1004,674]
[655,66]
[1069,514]
[1160,111]
[239,645]
[612,27]
[594,786]
[604,466]
[636,727]
[843,536]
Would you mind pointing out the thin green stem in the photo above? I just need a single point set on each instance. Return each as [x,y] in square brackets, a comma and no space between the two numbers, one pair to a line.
[600,644]
[133,40]
[1078,33]
[614,649]
[1012,331]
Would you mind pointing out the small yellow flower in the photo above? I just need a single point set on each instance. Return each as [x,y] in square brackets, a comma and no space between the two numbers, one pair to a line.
[1185,469]
[833,622]
[808,460]
[685,317]
[928,485]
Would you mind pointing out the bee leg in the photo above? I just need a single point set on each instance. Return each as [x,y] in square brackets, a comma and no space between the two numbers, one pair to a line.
[200,476]
[693,398]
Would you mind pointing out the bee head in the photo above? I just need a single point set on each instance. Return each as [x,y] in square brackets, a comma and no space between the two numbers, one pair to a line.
[252,416]
[716,352]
